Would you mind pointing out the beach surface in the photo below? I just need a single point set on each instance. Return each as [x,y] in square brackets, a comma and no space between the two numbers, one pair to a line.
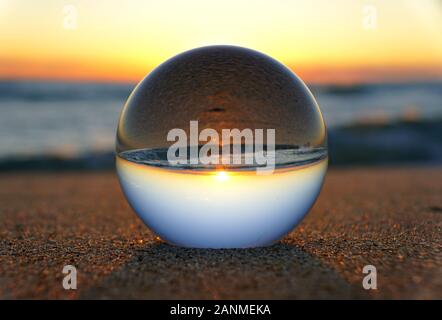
[390,218]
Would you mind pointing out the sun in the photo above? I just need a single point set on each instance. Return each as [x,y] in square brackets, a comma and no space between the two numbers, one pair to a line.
[222,176]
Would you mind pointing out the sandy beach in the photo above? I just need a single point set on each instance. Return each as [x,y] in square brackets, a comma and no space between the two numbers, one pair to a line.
[390,218]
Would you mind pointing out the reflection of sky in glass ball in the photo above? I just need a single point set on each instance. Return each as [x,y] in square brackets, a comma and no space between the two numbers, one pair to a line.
[221,87]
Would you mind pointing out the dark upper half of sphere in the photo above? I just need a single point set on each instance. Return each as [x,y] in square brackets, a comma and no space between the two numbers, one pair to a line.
[223,87]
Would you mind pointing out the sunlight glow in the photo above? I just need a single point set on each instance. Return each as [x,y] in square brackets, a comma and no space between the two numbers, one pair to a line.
[122,41]
[222,176]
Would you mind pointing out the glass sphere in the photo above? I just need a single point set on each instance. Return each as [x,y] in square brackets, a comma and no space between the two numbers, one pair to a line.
[221,147]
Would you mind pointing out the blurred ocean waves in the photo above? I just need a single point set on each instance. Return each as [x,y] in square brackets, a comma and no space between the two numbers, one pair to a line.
[64,125]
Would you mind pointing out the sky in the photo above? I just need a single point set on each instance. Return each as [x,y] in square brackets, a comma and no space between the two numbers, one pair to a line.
[323,41]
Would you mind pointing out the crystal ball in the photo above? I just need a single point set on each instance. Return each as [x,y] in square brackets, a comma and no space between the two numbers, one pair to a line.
[221,147]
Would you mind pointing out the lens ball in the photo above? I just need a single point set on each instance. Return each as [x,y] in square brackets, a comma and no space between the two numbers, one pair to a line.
[221,147]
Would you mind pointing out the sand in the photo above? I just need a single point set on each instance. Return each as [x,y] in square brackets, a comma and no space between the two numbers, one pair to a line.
[390,218]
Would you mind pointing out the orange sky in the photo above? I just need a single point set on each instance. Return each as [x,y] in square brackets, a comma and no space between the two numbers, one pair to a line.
[322,41]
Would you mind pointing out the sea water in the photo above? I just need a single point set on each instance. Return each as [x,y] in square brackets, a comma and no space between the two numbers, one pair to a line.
[221,207]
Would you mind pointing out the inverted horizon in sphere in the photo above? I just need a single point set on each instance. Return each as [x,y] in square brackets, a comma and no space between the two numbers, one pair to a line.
[228,97]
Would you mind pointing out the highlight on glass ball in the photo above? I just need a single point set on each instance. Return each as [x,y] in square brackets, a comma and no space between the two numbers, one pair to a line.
[221,147]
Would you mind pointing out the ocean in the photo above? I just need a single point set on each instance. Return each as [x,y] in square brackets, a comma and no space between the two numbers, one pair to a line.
[70,119]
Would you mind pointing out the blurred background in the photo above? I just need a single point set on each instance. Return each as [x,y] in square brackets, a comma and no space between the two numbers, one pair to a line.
[67,67]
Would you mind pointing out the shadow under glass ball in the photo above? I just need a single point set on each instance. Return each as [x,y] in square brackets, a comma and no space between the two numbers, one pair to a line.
[221,87]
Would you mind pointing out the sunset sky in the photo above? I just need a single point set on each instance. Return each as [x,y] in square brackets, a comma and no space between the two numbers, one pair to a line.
[321,40]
